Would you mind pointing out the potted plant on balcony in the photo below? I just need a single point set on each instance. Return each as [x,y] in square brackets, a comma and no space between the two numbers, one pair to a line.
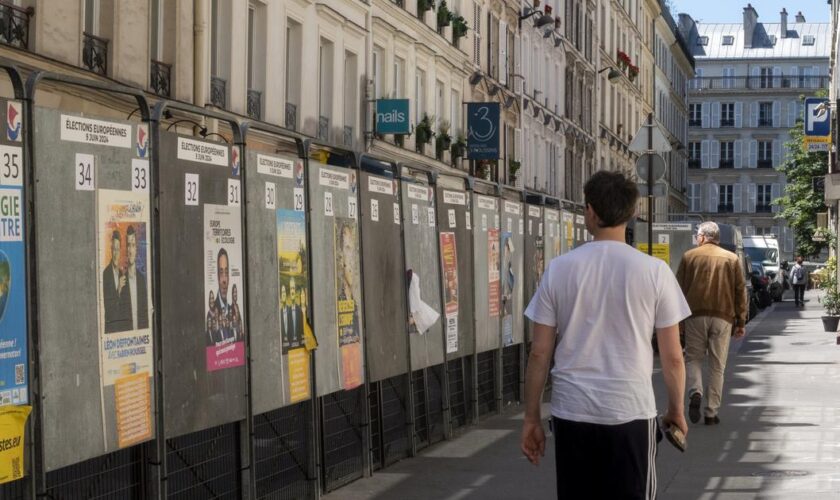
[443,140]
[513,169]
[459,28]
[633,72]
[423,132]
[423,6]
[459,147]
[831,297]
[623,60]
[444,16]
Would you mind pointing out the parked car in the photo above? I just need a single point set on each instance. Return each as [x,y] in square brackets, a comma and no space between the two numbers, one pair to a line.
[765,249]
[752,300]
[761,285]
[731,239]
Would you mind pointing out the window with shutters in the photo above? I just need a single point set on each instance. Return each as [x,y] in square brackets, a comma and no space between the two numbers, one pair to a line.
[727,114]
[695,117]
[694,154]
[455,113]
[727,154]
[765,154]
[492,47]
[726,198]
[763,198]
[765,114]
[476,29]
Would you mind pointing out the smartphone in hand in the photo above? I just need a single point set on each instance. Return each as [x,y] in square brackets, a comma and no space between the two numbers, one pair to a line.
[676,438]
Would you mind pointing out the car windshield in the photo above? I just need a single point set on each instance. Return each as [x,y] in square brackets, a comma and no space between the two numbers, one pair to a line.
[763,255]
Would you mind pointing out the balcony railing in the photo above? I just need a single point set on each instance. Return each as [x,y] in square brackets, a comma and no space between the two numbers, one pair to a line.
[726,207]
[161,78]
[763,209]
[765,122]
[14,25]
[726,163]
[693,163]
[695,123]
[218,92]
[727,122]
[758,82]
[348,135]
[768,163]
[291,116]
[254,104]
[95,53]
[324,128]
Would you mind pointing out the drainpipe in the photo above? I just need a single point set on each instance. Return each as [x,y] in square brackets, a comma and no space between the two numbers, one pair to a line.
[200,53]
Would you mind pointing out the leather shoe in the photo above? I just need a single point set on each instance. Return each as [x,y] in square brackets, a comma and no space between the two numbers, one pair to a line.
[694,407]
[711,420]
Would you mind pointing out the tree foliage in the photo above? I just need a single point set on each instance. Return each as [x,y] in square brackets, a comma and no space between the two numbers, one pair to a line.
[799,205]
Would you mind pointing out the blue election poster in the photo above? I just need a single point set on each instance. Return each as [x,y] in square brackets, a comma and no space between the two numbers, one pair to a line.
[13,348]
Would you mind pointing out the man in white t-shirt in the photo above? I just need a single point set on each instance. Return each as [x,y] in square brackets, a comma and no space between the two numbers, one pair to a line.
[596,310]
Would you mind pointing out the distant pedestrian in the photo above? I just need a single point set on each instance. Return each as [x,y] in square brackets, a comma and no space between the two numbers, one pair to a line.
[713,283]
[595,311]
[799,279]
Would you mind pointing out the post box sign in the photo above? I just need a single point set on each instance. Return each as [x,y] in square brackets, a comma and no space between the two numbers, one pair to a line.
[392,116]
[483,130]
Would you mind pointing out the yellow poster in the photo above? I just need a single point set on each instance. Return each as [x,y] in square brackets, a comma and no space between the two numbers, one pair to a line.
[298,374]
[660,251]
[12,430]
[134,409]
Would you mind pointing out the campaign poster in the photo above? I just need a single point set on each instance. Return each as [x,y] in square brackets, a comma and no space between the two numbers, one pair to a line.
[13,348]
[224,325]
[293,264]
[125,335]
[494,287]
[449,266]
[347,301]
[508,285]
[537,266]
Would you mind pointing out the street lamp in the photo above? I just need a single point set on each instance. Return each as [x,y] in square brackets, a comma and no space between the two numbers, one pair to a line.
[613,75]
[543,20]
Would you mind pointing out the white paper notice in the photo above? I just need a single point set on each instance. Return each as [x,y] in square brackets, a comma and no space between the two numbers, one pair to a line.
[351,207]
[191,189]
[374,210]
[300,200]
[233,193]
[270,196]
[431,213]
[521,226]
[469,221]
[396,213]
[85,176]
[452,218]
[451,334]
[140,176]
[328,204]
[11,166]
[415,214]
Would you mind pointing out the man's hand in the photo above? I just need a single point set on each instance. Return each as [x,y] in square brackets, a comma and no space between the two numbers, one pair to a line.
[533,441]
[675,419]
[740,331]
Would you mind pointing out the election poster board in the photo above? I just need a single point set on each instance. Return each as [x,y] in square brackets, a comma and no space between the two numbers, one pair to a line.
[92,220]
[512,271]
[487,261]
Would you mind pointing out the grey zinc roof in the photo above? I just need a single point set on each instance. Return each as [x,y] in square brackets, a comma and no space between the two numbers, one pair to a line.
[790,47]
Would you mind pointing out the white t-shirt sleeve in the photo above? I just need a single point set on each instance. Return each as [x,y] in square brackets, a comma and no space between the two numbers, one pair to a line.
[671,306]
[542,309]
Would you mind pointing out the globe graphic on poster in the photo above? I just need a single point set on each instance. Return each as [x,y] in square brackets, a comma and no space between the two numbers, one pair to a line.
[5,282]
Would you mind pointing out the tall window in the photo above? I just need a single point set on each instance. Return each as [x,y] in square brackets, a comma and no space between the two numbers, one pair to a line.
[695,117]
[92,17]
[763,198]
[398,84]
[727,149]
[765,154]
[351,98]
[765,114]
[251,44]
[726,198]
[694,154]
[325,93]
[765,79]
[420,93]
[294,34]
[439,113]
[378,60]
[156,36]
[727,114]
[695,198]
[455,113]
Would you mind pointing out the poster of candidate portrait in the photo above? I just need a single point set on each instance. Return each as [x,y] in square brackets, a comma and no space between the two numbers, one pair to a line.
[125,337]
[348,291]
[224,324]
[294,281]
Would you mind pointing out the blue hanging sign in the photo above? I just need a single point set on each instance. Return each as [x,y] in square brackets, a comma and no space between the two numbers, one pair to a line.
[483,130]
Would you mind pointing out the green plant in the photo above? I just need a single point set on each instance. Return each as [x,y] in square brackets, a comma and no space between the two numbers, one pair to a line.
[423,131]
[423,6]
[828,283]
[513,169]
[483,170]
[444,16]
[459,28]
[458,147]
[442,139]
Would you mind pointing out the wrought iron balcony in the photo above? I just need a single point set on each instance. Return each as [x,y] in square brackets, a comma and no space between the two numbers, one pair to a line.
[14,25]
[161,78]
[95,53]
[765,122]
[254,104]
[726,207]
[324,128]
[766,163]
[692,163]
[291,116]
[726,163]
[348,135]
[695,123]
[757,83]
[218,92]
[763,209]
[727,122]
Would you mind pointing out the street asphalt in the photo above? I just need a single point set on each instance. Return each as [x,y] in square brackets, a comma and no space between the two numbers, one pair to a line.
[779,436]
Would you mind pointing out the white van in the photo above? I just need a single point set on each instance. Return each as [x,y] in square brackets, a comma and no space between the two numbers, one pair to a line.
[765,249]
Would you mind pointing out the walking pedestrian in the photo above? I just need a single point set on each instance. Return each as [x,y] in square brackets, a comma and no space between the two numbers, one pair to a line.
[799,278]
[713,283]
[595,310]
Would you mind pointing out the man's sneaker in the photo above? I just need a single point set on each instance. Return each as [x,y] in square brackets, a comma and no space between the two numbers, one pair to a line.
[694,407]
[711,420]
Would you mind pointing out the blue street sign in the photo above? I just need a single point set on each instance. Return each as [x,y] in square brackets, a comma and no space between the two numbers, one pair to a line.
[817,123]
[483,130]
[392,116]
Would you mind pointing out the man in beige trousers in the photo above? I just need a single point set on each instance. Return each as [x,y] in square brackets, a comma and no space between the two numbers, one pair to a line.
[712,280]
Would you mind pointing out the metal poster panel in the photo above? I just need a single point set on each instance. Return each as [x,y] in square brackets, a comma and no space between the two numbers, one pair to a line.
[567,225]
[512,272]
[14,358]
[483,130]
[670,241]
[336,301]
[202,284]
[534,257]
[488,280]
[423,274]
[454,206]
[386,341]
[278,279]
[93,230]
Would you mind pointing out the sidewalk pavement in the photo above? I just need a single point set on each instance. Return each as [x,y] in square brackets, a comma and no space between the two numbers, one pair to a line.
[779,436]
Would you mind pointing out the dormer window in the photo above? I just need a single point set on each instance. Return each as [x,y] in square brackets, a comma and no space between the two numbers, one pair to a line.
[728,40]
[703,40]
[808,40]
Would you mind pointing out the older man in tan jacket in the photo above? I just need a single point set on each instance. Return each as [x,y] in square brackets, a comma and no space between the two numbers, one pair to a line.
[712,280]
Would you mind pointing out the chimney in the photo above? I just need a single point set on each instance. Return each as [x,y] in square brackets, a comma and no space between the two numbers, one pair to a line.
[784,23]
[799,17]
[750,22]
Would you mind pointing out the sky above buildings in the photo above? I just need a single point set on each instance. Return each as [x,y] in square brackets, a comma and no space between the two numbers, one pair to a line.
[727,11]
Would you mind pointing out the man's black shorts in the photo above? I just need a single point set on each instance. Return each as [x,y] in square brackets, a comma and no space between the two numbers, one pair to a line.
[597,461]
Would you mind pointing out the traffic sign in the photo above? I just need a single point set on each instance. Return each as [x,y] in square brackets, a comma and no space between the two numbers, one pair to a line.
[660,143]
[817,124]
[642,166]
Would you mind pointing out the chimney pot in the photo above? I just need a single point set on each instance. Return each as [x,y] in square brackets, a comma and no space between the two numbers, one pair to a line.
[750,23]
[784,25]
[799,17]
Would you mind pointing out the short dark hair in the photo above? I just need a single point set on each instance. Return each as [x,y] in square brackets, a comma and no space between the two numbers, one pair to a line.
[612,196]
[116,235]
[222,252]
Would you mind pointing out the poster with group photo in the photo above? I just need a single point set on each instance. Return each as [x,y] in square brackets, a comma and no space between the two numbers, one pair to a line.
[224,323]
[125,335]
[348,291]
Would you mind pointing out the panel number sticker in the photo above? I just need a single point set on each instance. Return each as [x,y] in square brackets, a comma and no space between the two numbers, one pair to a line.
[509,224]
[521,226]
[431,217]
[270,196]
[11,172]
[374,210]
[452,218]
[496,222]
[299,201]
[468,221]
[396,213]
[233,193]
[539,229]
[415,214]
[140,175]
[328,204]
[191,189]
[85,175]
[351,207]
[530,227]
[484,222]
